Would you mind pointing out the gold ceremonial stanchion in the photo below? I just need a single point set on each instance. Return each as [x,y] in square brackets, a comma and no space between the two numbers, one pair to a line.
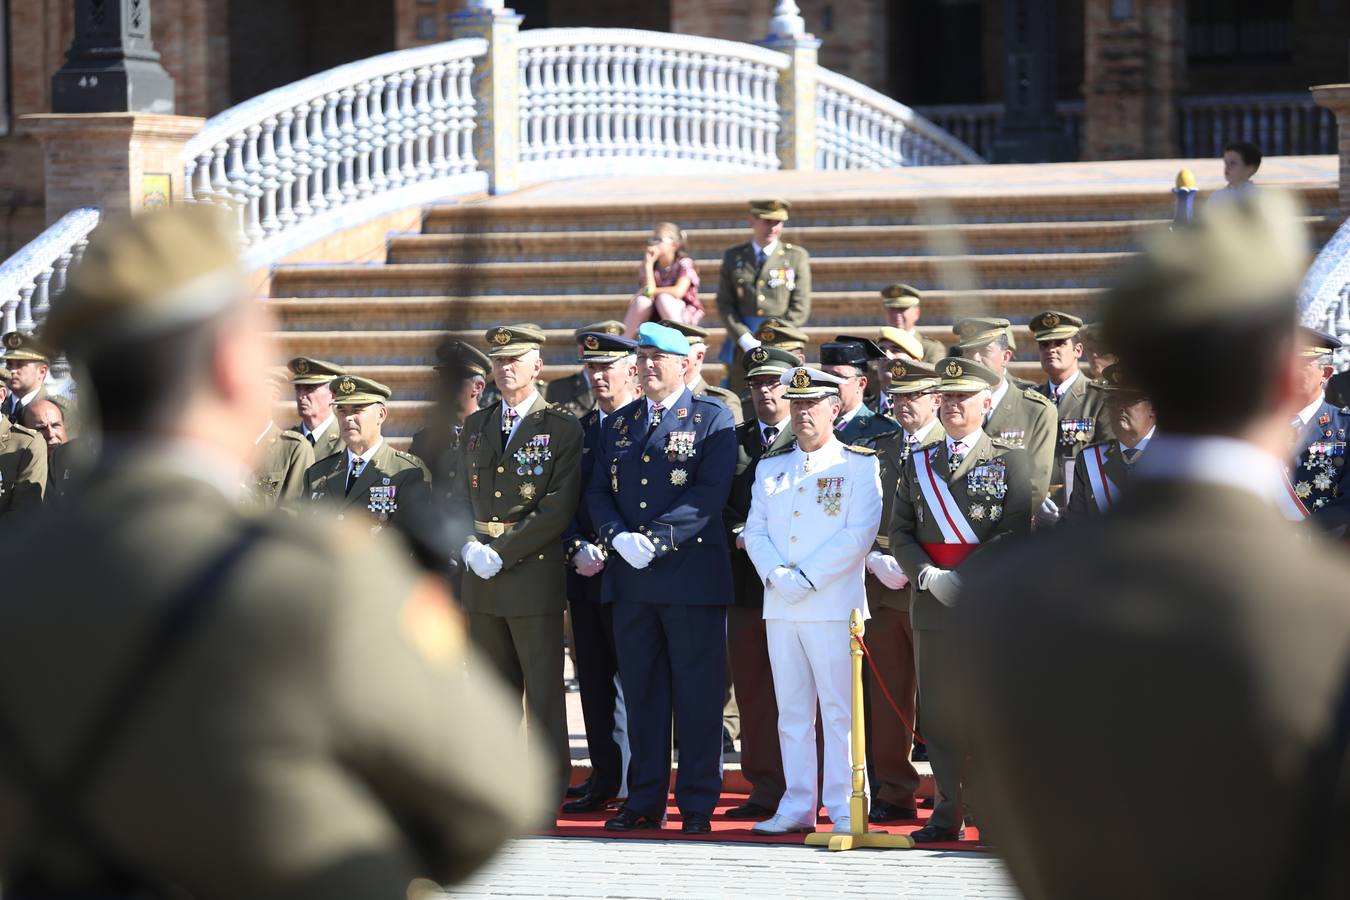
[858,835]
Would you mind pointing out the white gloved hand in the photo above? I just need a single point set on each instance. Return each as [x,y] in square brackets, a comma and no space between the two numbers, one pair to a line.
[589,560]
[481,559]
[887,570]
[747,342]
[789,583]
[943,584]
[740,542]
[636,549]
[1048,514]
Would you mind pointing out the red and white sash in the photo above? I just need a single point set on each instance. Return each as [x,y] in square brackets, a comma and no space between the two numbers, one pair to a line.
[1286,498]
[1104,489]
[941,503]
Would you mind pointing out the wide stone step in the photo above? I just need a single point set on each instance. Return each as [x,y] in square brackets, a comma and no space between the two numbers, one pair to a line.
[862,273]
[827,241]
[829,309]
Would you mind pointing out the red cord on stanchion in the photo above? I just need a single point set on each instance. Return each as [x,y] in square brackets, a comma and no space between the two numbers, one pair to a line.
[887,694]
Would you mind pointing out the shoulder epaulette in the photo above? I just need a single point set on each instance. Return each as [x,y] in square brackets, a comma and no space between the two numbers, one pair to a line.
[293,436]
[1001,443]
[859,448]
[780,451]
[1038,397]
[405,455]
[25,430]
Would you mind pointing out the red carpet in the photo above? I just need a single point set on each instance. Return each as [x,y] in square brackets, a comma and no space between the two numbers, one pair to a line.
[592,825]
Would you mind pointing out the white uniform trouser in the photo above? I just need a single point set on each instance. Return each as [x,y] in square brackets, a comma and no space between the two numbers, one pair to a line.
[811,662]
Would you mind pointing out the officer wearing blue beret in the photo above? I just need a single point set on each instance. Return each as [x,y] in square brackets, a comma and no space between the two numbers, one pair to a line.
[848,358]
[1318,487]
[610,371]
[662,476]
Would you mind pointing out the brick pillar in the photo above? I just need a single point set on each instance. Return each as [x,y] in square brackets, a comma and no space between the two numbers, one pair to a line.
[496,86]
[1134,64]
[119,162]
[796,86]
[1336,97]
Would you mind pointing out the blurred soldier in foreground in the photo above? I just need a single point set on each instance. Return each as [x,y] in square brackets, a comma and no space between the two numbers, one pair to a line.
[1102,469]
[913,390]
[279,475]
[813,517]
[1211,624]
[264,707]
[1321,486]
[963,492]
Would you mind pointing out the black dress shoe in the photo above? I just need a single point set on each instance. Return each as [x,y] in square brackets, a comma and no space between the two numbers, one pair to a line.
[748,811]
[931,834]
[588,802]
[696,823]
[580,789]
[888,812]
[632,820]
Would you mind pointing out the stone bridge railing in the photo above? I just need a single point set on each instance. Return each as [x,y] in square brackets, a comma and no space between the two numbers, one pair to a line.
[492,110]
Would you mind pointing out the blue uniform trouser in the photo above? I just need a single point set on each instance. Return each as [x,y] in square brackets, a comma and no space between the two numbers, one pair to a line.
[673,657]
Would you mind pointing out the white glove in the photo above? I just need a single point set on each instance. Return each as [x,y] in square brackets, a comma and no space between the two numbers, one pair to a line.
[943,584]
[747,342]
[789,583]
[481,559]
[740,542]
[589,560]
[1048,514]
[636,549]
[887,570]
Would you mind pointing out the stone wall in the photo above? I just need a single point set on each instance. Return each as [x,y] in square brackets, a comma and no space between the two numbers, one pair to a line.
[1133,71]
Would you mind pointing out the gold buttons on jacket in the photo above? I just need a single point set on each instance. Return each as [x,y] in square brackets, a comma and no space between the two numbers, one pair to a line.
[642,504]
[646,459]
[501,469]
[496,493]
[644,481]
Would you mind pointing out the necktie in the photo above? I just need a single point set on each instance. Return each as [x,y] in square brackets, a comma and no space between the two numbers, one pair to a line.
[657,411]
[352,474]
[770,434]
[1055,395]
[508,423]
[1129,453]
[958,455]
[841,424]
[310,437]
[760,257]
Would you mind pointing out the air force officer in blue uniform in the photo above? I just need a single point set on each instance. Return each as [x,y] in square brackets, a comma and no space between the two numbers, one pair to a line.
[662,475]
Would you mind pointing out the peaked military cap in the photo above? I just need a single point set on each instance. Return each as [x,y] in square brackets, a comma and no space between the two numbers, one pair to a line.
[461,359]
[806,383]
[1242,258]
[768,361]
[1312,343]
[607,326]
[306,370]
[911,376]
[693,333]
[907,342]
[900,296]
[849,351]
[145,275]
[602,347]
[25,348]
[353,390]
[775,210]
[959,375]
[781,335]
[513,340]
[971,333]
[659,337]
[1054,326]
[1115,379]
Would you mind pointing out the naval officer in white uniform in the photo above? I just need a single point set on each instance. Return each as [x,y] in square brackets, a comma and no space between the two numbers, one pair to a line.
[814,511]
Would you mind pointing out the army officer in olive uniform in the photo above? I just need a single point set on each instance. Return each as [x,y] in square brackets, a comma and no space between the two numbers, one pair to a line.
[963,492]
[1080,409]
[279,476]
[520,480]
[369,475]
[901,305]
[312,379]
[23,468]
[763,278]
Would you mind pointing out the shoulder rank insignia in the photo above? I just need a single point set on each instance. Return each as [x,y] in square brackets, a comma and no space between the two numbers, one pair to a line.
[859,448]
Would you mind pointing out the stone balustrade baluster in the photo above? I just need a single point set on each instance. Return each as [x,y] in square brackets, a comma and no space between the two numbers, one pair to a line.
[285,168]
[361,134]
[422,104]
[37,296]
[269,175]
[408,111]
[440,114]
[379,135]
[253,180]
[346,144]
[304,165]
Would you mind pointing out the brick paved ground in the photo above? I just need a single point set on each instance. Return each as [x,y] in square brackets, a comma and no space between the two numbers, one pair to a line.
[556,867]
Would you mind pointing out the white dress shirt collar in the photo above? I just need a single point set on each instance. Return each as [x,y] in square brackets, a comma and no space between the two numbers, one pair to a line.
[1304,415]
[318,432]
[521,409]
[922,434]
[667,404]
[768,249]
[996,397]
[968,442]
[1143,441]
[779,425]
[1062,389]
[1215,460]
[365,457]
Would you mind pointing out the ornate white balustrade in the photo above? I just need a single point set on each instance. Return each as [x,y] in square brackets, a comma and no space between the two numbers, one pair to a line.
[1324,302]
[858,128]
[341,147]
[600,101]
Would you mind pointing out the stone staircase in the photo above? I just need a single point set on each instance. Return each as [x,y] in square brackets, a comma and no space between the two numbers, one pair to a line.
[564,256]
